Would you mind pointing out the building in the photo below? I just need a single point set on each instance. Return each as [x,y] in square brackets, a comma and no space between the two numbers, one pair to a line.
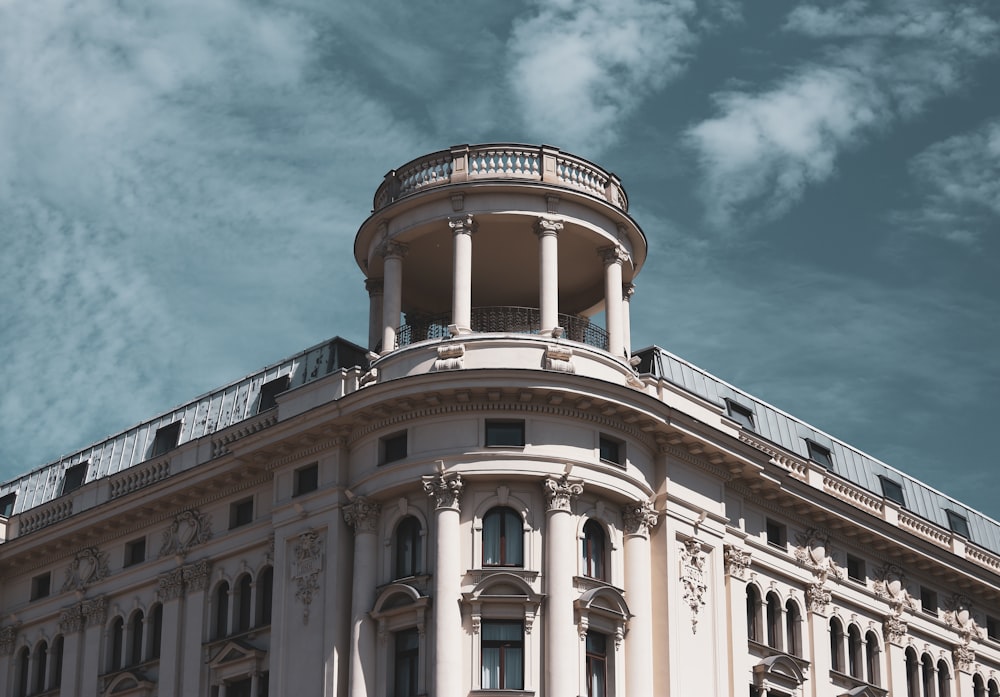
[497,497]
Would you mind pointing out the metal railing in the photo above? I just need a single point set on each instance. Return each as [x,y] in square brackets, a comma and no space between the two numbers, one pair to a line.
[500,320]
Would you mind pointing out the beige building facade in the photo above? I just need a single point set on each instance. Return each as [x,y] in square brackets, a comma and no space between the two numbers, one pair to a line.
[496,496]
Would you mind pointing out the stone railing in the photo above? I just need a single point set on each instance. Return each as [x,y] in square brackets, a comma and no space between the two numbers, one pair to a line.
[501,320]
[136,478]
[39,518]
[500,162]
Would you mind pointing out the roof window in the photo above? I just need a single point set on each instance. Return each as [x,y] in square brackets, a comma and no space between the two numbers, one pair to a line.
[270,390]
[819,454]
[167,438]
[892,490]
[74,477]
[7,502]
[738,412]
[958,523]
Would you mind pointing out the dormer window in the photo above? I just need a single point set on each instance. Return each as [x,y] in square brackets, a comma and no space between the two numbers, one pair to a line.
[958,523]
[739,413]
[75,477]
[7,502]
[167,438]
[270,390]
[819,454]
[892,490]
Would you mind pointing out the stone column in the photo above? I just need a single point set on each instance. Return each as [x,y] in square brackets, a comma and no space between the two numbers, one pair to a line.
[445,490]
[614,258]
[70,625]
[561,636]
[462,227]
[639,518]
[169,591]
[548,254]
[195,584]
[392,298]
[362,515]
[818,602]
[95,615]
[374,287]
[737,561]
[628,290]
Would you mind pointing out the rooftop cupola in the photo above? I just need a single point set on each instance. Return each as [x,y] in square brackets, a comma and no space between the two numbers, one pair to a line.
[500,238]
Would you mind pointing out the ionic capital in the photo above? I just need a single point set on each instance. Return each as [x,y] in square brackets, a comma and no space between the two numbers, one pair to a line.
[444,489]
[463,224]
[613,255]
[392,250]
[362,515]
[639,517]
[548,226]
[561,492]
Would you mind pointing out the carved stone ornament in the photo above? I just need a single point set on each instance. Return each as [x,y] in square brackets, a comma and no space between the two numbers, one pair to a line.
[964,656]
[307,564]
[170,586]
[639,517]
[196,575]
[817,597]
[560,492]
[958,614]
[613,255]
[559,358]
[8,633]
[362,514]
[693,579]
[95,611]
[890,585]
[812,551]
[737,561]
[894,629]
[189,529]
[548,226]
[88,566]
[462,224]
[392,249]
[444,489]
[450,357]
[71,619]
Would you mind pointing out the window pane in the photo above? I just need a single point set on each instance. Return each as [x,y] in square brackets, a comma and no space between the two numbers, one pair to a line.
[491,668]
[513,538]
[491,539]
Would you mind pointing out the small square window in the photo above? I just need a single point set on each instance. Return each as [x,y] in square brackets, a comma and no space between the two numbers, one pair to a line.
[505,434]
[306,479]
[41,585]
[7,504]
[819,454]
[958,523]
[166,439]
[740,413]
[612,450]
[993,628]
[892,490]
[74,477]
[135,552]
[392,448]
[856,569]
[270,390]
[240,513]
[928,601]
[776,533]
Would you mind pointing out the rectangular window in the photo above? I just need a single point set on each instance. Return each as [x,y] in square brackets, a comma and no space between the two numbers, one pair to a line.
[166,439]
[306,479]
[240,513]
[776,534]
[503,655]
[597,665]
[392,448]
[270,390]
[505,434]
[7,504]
[41,585]
[819,454]
[74,477]
[958,523]
[135,552]
[856,569]
[406,664]
[993,628]
[928,601]
[892,490]
[738,412]
[612,450]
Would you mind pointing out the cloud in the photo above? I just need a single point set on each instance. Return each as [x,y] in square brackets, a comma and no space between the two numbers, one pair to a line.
[763,149]
[959,184]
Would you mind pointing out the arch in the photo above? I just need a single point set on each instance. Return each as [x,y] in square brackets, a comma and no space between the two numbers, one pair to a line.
[41,664]
[116,643]
[793,628]
[594,550]
[912,673]
[23,668]
[993,688]
[507,500]
[772,616]
[56,659]
[855,656]
[978,686]
[136,625]
[396,595]
[242,603]
[408,547]
[927,675]
[753,613]
[503,534]
[943,678]
[265,596]
[155,630]
[220,610]
[779,672]
[608,601]
[873,650]
[837,645]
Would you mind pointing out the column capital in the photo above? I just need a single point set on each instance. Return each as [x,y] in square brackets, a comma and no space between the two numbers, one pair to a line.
[374,286]
[639,517]
[614,254]
[628,290]
[392,249]
[548,226]
[463,224]
[737,561]
[8,633]
[445,489]
[362,514]
[560,492]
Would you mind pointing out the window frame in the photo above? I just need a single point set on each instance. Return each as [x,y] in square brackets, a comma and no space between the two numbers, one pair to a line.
[389,447]
[503,534]
[890,487]
[594,551]
[495,431]
[74,477]
[957,523]
[237,516]
[167,438]
[502,645]
[596,659]
[41,586]
[740,413]
[270,390]
[929,601]
[819,453]
[409,658]
[854,566]
[606,442]
[780,539]
[406,564]
[305,480]
[7,503]
[131,547]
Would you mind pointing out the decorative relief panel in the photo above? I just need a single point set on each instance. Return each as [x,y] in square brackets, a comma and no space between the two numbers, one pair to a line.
[189,529]
[693,579]
[307,564]
[88,566]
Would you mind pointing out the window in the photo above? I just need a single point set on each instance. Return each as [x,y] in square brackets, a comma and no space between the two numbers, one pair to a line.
[116,645]
[221,610]
[265,591]
[240,513]
[406,664]
[270,390]
[892,490]
[135,552]
[409,547]
[928,601]
[793,638]
[135,639]
[854,651]
[856,569]
[871,658]
[74,477]
[23,672]
[156,634]
[41,585]
[738,412]
[503,655]
[773,610]
[504,433]
[306,479]
[593,550]
[167,438]
[612,450]
[7,504]
[978,686]
[943,679]
[958,523]
[244,598]
[912,674]
[41,665]
[993,628]
[927,675]
[836,645]
[392,448]
[819,454]
[597,665]
[776,533]
[503,538]
[994,688]
[753,618]
[57,659]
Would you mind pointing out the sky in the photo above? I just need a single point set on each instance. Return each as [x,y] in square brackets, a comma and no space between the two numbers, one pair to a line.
[181,183]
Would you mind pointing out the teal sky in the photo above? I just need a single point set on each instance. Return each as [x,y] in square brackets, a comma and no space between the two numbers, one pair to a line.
[180,184]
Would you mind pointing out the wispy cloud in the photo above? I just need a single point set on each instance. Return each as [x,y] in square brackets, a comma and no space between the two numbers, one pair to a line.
[763,149]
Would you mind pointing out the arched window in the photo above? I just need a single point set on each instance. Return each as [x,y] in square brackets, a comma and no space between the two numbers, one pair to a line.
[753,613]
[594,543]
[943,680]
[837,644]
[41,666]
[117,644]
[503,538]
[793,637]
[854,654]
[221,610]
[135,639]
[872,658]
[912,674]
[244,603]
[23,671]
[597,664]
[978,686]
[57,659]
[993,687]
[773,621]
[927,675]
[265,596]
[409,547]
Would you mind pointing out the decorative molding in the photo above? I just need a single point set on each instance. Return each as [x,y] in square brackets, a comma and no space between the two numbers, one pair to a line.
[450,357]
[560,493]
[170,586]
[362,514]
[693,579]
[375,286]
[614,254]
[8,634]
[639,518]
[812,551]
[135,478]
[389,249]
[890,585]
[89,565]
[196,575]
[71,619]
[95,611]
[547,226]
[463,224]
[43,516]
[446,490]
[559,357]
[223,439]
[189,529]
[307,564]
[894,629]
[964,656]
[737,561]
